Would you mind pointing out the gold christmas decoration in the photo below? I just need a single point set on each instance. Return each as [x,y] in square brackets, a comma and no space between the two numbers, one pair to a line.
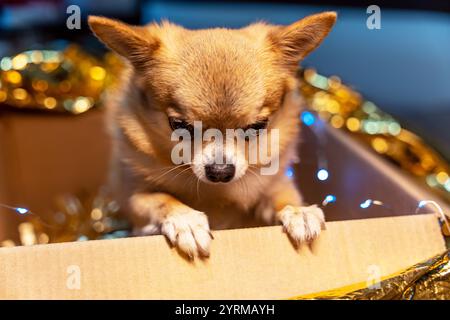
[70,81]
[429,280]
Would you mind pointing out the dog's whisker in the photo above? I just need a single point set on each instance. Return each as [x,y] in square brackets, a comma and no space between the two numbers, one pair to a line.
[179,173]
[242,184]
[169,171]
[160,169]
[190,179]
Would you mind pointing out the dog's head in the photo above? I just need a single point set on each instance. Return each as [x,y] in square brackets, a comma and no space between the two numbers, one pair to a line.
[221,78]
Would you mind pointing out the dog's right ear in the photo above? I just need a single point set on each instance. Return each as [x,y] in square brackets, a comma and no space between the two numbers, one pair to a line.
[132,42]
[297,40]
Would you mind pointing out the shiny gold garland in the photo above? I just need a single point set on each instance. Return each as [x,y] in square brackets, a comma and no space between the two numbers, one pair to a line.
[70,81]
[429,280]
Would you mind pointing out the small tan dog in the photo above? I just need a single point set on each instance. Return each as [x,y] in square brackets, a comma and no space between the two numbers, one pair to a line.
[227,79]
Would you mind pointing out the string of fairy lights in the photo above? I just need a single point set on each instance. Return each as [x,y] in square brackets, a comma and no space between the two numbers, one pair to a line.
[316,125]
[345,109]
[73,81]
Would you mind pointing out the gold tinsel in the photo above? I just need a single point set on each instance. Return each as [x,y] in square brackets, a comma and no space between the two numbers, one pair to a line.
[424,281]
[70,81]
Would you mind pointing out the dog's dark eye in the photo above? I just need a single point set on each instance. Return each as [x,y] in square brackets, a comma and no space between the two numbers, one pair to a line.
[255,127]
[180,124]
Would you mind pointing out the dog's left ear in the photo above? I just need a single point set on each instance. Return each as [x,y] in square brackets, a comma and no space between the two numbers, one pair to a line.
[297,40]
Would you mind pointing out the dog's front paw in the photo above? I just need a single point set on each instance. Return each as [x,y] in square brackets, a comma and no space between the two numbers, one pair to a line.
[188,230]
[302,224]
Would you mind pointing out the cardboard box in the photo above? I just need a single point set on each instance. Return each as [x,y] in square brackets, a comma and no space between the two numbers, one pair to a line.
[43,156]
[253,263]
[359,245]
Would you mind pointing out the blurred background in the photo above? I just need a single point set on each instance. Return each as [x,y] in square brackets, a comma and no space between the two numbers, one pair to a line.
[404,68]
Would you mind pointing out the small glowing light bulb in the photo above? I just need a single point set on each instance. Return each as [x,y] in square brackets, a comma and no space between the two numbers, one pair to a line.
[289,172]
[322,174]
[366,204]
[22,210]
[422,203]
[308,118]
[329,199]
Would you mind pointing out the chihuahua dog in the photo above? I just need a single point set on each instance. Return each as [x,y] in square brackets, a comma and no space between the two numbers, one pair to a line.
[224,79]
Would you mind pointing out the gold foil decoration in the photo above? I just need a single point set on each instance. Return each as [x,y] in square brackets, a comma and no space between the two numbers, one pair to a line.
[424,281]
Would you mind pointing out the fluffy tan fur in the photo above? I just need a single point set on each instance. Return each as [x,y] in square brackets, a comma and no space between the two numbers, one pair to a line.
[226,79]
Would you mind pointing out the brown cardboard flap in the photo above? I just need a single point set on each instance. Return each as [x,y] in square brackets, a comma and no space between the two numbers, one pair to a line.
[256,263]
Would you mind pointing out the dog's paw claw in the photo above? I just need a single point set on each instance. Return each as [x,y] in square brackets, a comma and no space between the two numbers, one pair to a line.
[189,232]
[302,224]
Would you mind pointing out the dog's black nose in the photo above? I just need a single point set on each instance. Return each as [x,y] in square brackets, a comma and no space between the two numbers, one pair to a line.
[220,172]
